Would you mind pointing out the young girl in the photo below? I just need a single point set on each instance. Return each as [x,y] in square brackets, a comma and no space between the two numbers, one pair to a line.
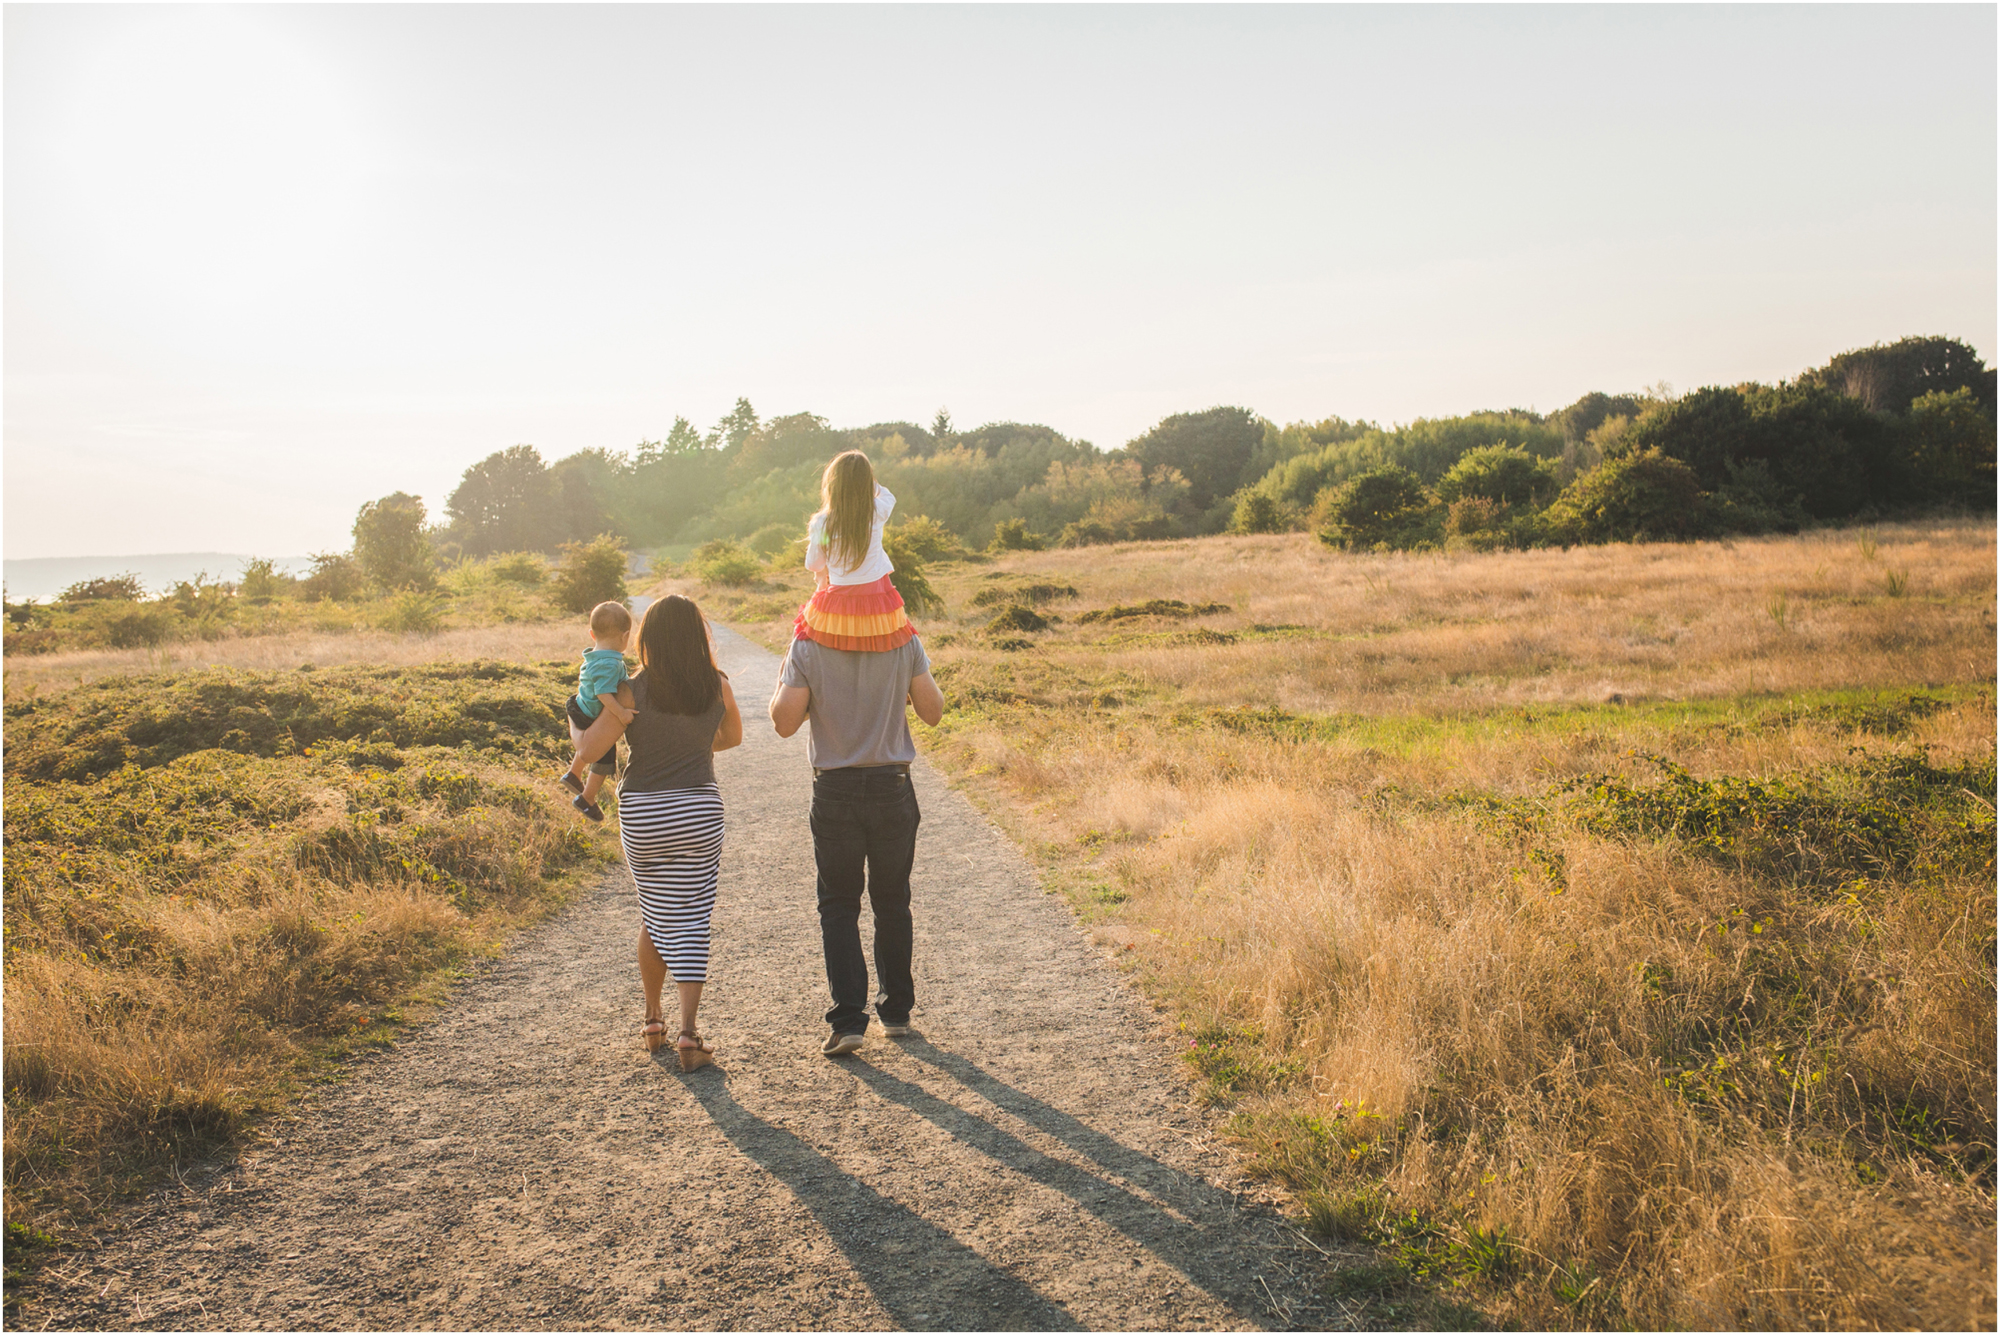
[855,606]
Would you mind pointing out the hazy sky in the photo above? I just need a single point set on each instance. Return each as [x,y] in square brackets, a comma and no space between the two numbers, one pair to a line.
[264,264]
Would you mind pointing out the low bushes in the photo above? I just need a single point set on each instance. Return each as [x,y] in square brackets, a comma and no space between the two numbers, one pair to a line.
[216,880]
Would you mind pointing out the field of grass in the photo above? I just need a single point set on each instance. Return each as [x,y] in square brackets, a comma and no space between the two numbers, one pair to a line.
[1601,937]
[219,880]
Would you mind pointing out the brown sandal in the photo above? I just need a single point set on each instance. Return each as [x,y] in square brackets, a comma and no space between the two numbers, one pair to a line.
[694,1055]
[655,1033]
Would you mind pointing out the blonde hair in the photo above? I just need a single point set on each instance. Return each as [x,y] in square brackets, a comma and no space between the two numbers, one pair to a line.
[607,619]
[847,501]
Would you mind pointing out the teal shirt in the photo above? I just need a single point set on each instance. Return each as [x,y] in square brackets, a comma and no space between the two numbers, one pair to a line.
[601,674]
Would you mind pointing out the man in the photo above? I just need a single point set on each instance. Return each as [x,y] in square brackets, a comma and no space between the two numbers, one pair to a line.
[864,816]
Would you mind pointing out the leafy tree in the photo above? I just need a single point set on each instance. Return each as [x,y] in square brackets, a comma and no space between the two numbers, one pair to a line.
[1503,474]
[1383,507]
[1829,449]
[737,427]
[390,543]
[1951,447]
[1592,411]
[1892,377]
[786,442]
[1210,449]
[589,485]
[1649,496]
[941,430]
[506,503]
[591,573]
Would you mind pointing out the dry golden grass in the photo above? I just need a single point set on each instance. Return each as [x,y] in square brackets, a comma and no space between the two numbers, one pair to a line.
[526,642]
[217,883]
[1585,1074]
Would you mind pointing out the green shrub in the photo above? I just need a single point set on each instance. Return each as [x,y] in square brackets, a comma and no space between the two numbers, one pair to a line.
[1035,594]
[929,540]
[1504,474]
[726,561]
[261,581]
[123,588]
[526,569]
[1011,535]
[1017,618]
[412,612]
[918,596]
[1172,608]
[1257,512]
[1087,533]
[1640,497]
[772,539]
[591,573]
[1383,507]
[335,577]
[125,625]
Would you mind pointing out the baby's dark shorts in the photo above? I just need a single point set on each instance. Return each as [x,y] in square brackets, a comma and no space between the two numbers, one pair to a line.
[581,722]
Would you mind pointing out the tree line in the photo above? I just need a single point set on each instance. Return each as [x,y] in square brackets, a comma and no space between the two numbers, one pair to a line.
[1888,428]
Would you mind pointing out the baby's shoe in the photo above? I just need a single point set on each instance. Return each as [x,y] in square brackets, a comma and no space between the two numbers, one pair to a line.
[571,782]
[590,810]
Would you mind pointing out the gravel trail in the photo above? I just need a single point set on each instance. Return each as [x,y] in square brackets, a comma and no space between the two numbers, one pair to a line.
[1029,1159]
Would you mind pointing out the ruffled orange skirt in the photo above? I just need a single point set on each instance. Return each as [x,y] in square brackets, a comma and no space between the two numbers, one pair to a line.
[868,617]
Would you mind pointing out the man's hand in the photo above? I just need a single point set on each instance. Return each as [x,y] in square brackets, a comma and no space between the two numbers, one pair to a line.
[789,705]
[927,699]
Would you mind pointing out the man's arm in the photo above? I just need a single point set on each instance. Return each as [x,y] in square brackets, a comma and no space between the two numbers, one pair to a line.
[927,699]
[788,707]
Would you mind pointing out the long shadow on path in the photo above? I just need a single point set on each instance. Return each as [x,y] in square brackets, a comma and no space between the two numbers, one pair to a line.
[1187,1246]
[924,1277]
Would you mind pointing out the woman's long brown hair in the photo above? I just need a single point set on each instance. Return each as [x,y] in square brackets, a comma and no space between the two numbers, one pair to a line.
[847,499]
[674,654]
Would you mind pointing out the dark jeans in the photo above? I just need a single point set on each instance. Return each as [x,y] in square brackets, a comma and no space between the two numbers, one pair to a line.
[864,827]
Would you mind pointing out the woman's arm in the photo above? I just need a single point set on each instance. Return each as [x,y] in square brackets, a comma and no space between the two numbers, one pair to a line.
[604,733]
[730,731]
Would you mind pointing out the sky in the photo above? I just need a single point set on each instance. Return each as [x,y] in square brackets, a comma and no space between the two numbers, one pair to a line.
[263,264]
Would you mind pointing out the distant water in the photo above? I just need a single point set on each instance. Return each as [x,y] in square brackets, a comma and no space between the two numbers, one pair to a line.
[42,578]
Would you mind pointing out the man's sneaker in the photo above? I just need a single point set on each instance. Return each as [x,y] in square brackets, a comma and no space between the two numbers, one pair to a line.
[839,1045]
[896,1030]
[590,810]
[571,782]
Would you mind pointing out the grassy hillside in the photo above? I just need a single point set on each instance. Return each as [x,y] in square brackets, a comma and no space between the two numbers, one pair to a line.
[218,881]
[1604,937]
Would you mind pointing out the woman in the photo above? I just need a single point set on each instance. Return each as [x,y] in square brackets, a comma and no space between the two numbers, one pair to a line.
[670,811]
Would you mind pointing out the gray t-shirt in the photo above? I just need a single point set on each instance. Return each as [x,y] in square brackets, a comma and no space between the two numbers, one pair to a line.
[857,707]
[669,751]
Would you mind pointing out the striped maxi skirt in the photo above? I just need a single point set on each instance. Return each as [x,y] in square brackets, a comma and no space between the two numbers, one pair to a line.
[673,847]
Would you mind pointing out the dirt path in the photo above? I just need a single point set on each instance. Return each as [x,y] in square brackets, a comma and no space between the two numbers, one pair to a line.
[1029,1160]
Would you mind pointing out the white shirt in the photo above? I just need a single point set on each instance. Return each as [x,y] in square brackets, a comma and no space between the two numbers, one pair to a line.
[874,565]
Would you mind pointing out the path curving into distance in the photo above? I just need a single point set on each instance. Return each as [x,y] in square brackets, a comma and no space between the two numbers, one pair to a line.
[1028,1160]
